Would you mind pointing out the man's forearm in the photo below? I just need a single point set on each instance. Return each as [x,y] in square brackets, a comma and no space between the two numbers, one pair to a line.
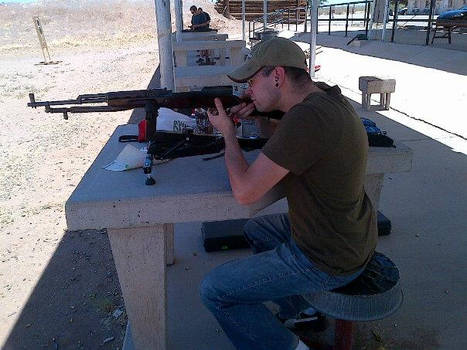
[235,162]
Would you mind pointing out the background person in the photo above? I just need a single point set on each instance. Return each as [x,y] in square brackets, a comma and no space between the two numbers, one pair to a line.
[200,20]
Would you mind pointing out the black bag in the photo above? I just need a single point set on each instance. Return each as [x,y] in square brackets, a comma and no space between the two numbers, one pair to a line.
[170,145]
[376,137]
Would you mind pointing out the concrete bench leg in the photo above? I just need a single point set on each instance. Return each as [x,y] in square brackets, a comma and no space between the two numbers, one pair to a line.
[366,98]
[140,256]
[382,99]
[343,335]
[385,100]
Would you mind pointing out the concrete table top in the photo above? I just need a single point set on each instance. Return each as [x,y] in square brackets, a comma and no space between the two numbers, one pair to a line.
[186,189]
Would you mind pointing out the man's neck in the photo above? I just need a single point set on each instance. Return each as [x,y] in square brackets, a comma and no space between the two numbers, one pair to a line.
[291,97]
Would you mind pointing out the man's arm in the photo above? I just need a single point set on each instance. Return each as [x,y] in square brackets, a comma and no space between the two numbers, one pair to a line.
[249,182]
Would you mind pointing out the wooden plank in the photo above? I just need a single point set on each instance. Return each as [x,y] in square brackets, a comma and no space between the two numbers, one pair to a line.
[449,23]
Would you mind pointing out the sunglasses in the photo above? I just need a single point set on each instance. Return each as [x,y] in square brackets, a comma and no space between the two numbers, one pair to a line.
[262,71]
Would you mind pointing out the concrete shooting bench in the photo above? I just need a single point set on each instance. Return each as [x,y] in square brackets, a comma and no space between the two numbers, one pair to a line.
[140,220]
[189,75]
[210,35]
[369,85]
[447,26]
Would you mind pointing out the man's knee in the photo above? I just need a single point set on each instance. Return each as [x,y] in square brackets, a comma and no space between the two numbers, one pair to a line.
[209,290]
[251,228]
[259,230]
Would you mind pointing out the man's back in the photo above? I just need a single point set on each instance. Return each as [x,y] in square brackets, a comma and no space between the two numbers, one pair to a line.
[204,18]
[332,219]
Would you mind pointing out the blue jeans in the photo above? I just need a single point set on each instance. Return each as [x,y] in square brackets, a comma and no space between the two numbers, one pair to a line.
[278,271]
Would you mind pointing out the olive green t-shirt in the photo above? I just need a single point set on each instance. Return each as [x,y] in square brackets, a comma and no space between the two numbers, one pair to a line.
[323,143]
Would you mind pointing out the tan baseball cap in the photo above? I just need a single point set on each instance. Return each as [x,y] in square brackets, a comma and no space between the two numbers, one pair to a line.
[273,52]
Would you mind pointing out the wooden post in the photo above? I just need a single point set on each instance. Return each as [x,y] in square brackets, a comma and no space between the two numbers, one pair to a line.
[164,40]
[226,11]
[42,42]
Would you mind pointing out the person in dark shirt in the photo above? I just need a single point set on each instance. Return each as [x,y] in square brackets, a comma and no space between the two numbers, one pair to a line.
[206,18]
[318,153]
[200,20]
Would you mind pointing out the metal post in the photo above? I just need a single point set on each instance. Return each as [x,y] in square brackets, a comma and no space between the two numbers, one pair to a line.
[385,19]
[367,17]
[164,32]
[243,20]
[306,17]
[296,18]
[265,14]
[371,13]
[347,19]
[313,28]
[317,15]
[288,18]
[394,20]
[329,22]
[430,19]
[178,19]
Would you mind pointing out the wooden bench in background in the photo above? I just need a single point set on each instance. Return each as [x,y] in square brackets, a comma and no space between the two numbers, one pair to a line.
[447,26]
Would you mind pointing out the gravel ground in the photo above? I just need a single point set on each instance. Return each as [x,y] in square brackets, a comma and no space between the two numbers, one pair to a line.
[59,289]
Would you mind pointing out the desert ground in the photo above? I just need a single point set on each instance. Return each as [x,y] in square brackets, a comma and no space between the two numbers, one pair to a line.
[102,47]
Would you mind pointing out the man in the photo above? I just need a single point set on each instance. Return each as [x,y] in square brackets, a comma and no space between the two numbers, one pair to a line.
[207,20]
[318,152]
[200,20]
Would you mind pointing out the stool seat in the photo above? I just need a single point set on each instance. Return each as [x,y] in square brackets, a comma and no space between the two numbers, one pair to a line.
[374,295]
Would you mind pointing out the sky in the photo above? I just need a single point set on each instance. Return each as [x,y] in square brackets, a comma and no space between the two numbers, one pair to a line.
[328,2]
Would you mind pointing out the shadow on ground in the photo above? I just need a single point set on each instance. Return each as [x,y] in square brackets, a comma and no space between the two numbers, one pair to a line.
[74,303]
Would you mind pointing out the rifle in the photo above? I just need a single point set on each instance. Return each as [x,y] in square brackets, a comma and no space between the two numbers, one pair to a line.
[151,100]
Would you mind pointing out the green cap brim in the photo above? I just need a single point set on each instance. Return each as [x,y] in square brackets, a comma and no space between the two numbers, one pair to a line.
[245,71]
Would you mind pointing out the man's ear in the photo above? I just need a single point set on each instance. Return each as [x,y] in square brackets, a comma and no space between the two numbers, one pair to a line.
[279,74]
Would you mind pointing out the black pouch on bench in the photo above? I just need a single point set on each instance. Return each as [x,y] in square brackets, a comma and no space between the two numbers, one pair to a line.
[170,145]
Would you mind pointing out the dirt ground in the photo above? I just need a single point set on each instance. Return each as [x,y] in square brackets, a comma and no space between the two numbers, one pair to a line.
[59,289]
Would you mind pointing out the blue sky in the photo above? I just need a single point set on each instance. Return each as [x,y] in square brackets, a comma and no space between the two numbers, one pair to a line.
[7,1]
[329,1]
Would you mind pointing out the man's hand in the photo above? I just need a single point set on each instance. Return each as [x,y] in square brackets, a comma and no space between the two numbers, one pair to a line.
[220,120]
[243,111]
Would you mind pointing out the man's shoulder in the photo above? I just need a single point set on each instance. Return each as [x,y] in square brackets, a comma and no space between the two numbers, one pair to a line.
[198,18]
